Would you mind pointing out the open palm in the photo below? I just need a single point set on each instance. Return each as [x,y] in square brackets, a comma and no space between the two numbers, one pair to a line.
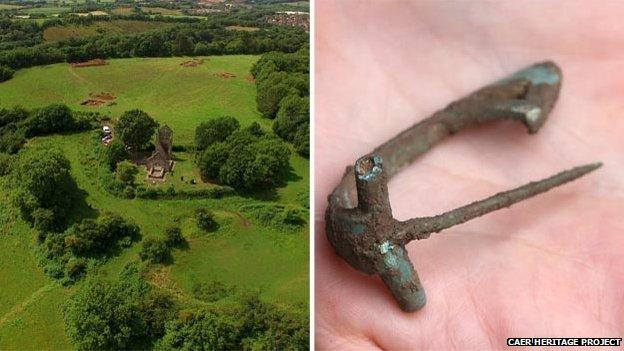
[552,266]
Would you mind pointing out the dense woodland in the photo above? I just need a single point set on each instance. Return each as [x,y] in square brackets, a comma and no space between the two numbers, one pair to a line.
[22,44]
[283,94]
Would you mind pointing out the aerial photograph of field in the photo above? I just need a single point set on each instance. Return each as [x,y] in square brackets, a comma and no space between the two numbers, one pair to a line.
[154,175]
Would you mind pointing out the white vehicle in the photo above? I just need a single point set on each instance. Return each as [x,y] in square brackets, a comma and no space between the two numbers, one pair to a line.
[106,129]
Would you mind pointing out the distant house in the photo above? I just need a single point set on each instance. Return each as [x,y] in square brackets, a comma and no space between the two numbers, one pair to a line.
[161,160]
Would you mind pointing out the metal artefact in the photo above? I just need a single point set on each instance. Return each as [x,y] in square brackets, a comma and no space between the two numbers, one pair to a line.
[359,219]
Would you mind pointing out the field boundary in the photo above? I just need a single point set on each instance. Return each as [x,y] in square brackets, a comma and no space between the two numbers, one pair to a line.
[19,308]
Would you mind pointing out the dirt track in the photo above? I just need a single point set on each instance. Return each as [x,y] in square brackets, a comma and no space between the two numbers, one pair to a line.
[192,63]
[94,62]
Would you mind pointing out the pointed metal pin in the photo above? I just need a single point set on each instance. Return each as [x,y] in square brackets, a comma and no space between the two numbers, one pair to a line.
[359,219]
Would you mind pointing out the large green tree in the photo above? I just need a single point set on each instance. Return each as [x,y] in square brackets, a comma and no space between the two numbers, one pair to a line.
[294,112]
[136,128]
[183,44]
[246,160]
[92,237]
[276,87]
[42,179]
[215,130]
[6,73]
[50,119]
[103,316]
[211,160]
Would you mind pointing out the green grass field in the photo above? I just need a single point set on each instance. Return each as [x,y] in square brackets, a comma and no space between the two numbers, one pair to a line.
[9,7]
[172,94]
[240,252]
[48,11]
[161,11]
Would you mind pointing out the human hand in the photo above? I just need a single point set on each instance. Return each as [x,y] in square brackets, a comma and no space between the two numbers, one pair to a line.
[550,266]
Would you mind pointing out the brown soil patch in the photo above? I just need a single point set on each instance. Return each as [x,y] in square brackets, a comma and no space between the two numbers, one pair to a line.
[102,96]
[93,102]
[225,75]
[94,62]
[161,277]
[192,63]
[250,79]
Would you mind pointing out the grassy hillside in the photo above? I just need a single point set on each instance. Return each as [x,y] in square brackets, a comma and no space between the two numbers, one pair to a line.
[29,301]
[173,94]
[242,252]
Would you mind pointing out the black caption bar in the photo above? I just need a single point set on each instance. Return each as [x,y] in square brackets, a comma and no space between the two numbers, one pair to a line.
[564,341]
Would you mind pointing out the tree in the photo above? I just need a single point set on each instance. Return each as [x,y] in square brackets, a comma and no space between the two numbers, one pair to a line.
[102,316]
[136,128]
[42,180]
[277,86]
[126,172]
[255,129]
[205,219]
[92,237]
[6,161]
[293,114]
[155,250]
[211,160]
[157,308]
[252,165]
[50,119]
[43,219]
[215,130]
[6,73]
[115,153]
[86,237]
[13,115]
[302,141]
[12,142]
[206,329]
[183,45]
[270,97]
[173,236]
[245,161]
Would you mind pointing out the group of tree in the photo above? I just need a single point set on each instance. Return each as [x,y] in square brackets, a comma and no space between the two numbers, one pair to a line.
[46,194]
[129,313]
[6,73]
[121,314]
[245,323]
[246,159]
[67,255]
[203,38]
[283,95]
[15,34]
[18,124]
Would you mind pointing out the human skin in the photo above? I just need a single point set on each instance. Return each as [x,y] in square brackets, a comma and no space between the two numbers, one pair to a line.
[551,266]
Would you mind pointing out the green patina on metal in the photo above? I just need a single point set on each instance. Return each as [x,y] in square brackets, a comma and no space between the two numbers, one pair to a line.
[360,204]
